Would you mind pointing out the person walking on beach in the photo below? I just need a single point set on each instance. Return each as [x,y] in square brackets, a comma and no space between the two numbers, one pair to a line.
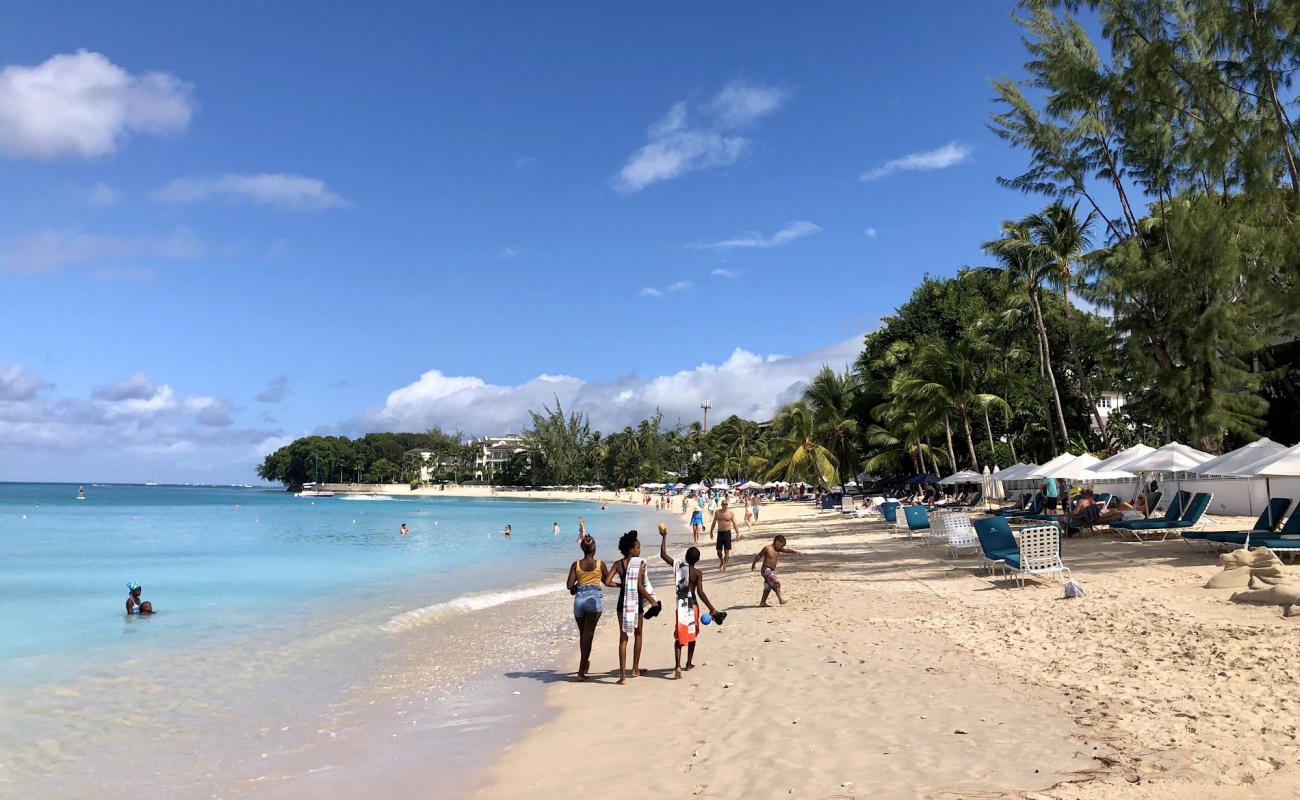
[725,522]
[1051,491]
[755,506]
[697,524]
[585,578]
[771,555]
[690,592]
[634,593]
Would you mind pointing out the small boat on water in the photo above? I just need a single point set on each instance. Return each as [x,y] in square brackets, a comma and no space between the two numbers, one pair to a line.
[151,483]
[310,490]
[363,496]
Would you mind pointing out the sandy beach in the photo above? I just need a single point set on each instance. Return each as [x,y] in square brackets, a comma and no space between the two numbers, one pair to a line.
[896,672]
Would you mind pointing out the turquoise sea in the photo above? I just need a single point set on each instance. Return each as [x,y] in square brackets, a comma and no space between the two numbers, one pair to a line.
[268,607]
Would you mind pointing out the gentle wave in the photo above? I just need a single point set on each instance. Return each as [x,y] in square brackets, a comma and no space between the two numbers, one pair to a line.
[415,618]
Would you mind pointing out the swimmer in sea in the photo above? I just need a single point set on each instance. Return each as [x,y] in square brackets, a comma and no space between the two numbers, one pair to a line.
[507,531]
[405,530]
[134,605]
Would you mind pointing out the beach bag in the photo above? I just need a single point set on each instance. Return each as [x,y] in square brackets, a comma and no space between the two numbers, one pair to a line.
[1073,589]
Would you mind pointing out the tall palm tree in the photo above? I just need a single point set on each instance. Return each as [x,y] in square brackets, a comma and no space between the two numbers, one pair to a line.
[796,455]
[1063,239]
[1018,254]
[950,372]
[830,396]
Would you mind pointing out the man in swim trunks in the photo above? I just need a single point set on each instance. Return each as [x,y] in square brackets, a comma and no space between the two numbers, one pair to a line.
[725,522]
[770,556]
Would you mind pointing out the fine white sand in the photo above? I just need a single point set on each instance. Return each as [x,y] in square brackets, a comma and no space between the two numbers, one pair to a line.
[894,672]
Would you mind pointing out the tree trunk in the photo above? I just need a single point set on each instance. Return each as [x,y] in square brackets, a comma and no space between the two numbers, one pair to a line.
[988,426]
[920,452]
[952,454]
[970,441]
[1047,364]
[1084,384]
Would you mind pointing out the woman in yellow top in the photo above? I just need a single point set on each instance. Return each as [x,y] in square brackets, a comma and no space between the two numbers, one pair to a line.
[586,576]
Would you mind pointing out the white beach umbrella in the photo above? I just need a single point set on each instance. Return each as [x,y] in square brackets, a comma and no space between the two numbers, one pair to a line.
[965,476]
[1173,457]
[1121,459]
[1049,467]
[1242,458]
[1015,472]
[1072,470]
[1285,464]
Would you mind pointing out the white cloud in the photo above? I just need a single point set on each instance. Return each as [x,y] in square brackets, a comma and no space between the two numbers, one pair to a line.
[272,189]
[723,272]
[740,103]
[797,229]
[507,252]
[746,384]
[102,195]
[950,154]
[680,286]
[131,429]
[676,147]
[17,384]
[870,233]
[650,291]
[275,390]
[82,104]
[50,249]
[525,163]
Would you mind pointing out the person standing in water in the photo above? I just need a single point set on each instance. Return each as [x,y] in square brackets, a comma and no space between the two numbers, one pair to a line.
[404,530]
[555,529]
[507,531]
[585,578]
[134,605]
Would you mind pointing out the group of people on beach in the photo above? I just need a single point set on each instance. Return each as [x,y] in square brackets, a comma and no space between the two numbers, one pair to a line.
[638,602]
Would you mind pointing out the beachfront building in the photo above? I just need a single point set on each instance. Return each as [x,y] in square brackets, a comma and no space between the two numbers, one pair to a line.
[1107,402]
[431,463]
[494,452]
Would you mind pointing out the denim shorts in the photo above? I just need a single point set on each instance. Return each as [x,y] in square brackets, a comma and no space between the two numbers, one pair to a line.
[587,601]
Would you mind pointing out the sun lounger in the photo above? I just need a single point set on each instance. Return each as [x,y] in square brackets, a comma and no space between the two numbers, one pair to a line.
[917,519]
[960,534]
[890,511]
[1140,527]
[1035,508]
[996,541]
[1264,528]
[1040,554]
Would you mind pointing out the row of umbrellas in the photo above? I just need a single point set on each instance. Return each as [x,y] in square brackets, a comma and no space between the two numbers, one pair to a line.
[1260,459]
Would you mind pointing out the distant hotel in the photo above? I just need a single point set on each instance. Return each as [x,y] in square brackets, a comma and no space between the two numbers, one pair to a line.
[490,457]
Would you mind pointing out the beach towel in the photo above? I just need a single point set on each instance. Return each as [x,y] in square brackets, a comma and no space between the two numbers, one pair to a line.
[688,611]
[631,605]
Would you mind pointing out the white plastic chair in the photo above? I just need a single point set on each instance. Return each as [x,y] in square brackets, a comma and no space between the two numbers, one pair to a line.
[937,534]
[961,533]
[1040,554]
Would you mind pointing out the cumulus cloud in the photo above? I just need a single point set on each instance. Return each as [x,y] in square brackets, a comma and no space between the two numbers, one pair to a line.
[797,229]
[724,272]
[680,286]
[276,190]
[17,384]
[82,104]
[870,233]
[507,252]
[130,429]
[50,249]
[747,384]
[949,155]
[677,147]
[650,291]
[275,390]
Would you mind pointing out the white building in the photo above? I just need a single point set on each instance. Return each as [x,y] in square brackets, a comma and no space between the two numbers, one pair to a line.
[494,452]
[1107,402]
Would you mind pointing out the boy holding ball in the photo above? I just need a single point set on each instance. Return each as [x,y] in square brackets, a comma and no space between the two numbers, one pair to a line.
[690,592]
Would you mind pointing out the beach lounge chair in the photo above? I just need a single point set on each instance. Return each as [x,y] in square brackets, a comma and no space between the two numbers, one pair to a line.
[1191,517]
[937,533]
[917,519]
[1035,508]
[1040,554]
[889,511]
[1172,514]
[960,534]
[1264,528]
[1289,547]
[996,541]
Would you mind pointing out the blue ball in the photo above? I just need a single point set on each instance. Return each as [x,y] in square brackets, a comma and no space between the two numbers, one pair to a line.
[706,619]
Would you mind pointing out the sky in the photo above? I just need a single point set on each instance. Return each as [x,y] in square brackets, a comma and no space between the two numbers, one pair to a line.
[224,226]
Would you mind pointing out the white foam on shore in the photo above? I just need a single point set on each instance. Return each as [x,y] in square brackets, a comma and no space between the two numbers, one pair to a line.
[418,617]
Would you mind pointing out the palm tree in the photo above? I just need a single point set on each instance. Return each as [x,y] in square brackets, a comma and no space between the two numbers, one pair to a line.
[1063,239]
[950,372]
[796,454]
[830,396]
[1017,253]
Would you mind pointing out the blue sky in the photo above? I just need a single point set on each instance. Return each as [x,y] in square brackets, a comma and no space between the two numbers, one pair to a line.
[228,225]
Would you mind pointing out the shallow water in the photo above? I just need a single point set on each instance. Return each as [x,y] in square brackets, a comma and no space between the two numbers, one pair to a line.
[271,608]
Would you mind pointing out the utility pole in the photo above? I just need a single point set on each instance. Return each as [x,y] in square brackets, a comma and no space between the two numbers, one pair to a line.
[706,405]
